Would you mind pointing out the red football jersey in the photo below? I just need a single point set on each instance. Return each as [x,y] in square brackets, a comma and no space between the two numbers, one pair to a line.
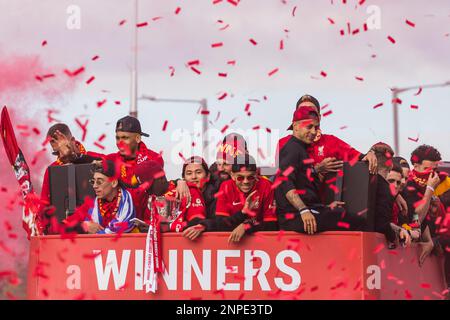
[231,200]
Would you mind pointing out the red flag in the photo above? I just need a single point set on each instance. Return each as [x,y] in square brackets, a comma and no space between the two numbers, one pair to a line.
[22,172]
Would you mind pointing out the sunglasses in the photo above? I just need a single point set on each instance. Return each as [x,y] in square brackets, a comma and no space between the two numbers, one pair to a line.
[397,182]
[98,182]
[249,178]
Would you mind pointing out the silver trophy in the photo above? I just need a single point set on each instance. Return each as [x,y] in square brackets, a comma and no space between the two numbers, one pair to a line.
[168,208]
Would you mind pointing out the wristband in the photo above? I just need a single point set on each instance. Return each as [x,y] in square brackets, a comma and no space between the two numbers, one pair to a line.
[431,188]
[303,210]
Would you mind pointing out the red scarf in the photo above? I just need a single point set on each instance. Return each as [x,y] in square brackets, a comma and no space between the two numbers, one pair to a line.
[108,210]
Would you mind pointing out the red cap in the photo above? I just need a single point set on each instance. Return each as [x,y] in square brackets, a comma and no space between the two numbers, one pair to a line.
[304,113]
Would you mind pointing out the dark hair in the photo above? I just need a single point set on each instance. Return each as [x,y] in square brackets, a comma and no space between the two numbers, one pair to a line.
[384,154]
[61,127]
[396,166]
[401,161]
[244,162]
[107,167]
[425,152]
[197,160]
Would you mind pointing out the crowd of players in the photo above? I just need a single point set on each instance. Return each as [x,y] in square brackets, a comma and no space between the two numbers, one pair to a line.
[231,195]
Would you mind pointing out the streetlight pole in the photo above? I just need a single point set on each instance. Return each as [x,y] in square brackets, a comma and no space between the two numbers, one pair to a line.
[204,112]
[395,102]
[133,87]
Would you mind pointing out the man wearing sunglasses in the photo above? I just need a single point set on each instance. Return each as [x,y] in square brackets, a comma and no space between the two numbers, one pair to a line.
[113,206]
[245,203]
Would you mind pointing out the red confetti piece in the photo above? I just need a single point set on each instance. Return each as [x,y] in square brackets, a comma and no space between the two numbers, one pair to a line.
[74,73]
[355,31]
[268,130]
[98,145]
[418,92]
[224,129]
[412,24]
[95,58]
[90,80]
[331,264]
[221,74]
[425,285]
[378,248]
[233,2]
[359,78]
[232,62]
[36,130]
[217,45]
[44,43]
[101,103]
[281,45]
[413,106]
[314,288]
[156,18]
[102,137]
[293,11]
[177,10]
[343,127]
[83,127]
[122,22]
[365,28]
[408,294]
[172,71]
[326,114]
[193,63]
[91,255]
[253,42]
[361,2]
[331,20]
[273,72]
[342,32]
[288,171]
[413,139]
[397,100]
[378,105]
[142,24]
[256,127]
[204,112]
[391,39]
[117,102]
[323,73]
[222,96]
[165,125]
[196,70]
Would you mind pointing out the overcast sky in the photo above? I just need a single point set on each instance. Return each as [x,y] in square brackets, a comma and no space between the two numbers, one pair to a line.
[312,43]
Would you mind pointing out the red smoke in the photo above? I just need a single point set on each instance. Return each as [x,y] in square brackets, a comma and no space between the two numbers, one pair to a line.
[25,86]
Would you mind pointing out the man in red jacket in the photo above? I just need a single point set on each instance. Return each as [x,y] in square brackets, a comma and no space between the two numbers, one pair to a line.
[245,203]
[132,150]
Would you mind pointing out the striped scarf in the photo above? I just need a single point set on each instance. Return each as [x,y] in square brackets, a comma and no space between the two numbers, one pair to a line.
[120,222]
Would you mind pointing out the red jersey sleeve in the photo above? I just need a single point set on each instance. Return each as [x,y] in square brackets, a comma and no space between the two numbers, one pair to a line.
[197,208]
[45,191]
[268,202]
[342,150]
[223,202]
